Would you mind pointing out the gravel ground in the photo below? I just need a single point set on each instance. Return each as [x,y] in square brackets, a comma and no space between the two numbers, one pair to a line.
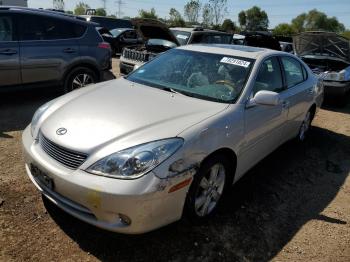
[293,206]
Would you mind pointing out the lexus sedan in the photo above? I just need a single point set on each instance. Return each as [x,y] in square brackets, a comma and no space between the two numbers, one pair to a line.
[137,153]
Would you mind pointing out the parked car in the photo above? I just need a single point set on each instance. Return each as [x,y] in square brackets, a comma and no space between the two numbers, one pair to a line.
[286,47]
[198,35]
[328,55]
[42,48]
[119,38]
[108,22]
[156,38]
[169,139]
[257,39]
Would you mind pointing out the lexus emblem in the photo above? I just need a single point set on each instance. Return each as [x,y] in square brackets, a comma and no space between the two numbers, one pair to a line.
[61,131]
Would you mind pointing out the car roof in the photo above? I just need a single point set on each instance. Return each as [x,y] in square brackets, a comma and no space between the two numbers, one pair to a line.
[232,50]
[56,14]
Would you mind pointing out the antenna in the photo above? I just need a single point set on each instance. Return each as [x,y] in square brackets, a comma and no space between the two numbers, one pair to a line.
[119,3]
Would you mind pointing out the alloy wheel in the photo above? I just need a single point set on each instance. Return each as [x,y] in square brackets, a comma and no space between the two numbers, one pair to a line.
[210,190]
[82,80]
[305,126]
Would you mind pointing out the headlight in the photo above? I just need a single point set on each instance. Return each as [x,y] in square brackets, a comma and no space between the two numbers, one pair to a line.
[37,115]
[134,162]
[343,75]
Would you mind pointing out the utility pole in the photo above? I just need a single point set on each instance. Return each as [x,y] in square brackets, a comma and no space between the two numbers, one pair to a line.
[119,3]
[104,4]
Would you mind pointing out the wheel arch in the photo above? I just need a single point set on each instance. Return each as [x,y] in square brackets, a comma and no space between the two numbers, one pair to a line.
[229,154]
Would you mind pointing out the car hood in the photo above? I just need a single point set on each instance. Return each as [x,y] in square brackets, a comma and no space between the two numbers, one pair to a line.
[322,45]
[125,113]
[153,29]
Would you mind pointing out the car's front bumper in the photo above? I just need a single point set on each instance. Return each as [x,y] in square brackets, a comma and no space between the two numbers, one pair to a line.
[336,88]
[103,201]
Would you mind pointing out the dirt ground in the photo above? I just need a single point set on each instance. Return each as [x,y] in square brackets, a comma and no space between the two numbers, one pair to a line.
[293,206]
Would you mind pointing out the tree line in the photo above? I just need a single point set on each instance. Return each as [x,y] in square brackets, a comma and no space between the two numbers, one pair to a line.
[211,14]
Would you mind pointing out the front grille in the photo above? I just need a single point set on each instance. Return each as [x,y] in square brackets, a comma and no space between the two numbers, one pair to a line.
[66,157]
[135,55]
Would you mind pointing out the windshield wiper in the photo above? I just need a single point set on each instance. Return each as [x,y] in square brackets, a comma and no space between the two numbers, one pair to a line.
[169,89]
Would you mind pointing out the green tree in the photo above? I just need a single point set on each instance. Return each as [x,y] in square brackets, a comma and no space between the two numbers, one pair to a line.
[207,15]
[112,16]
[316,20]
[148,14]
[219,10]
[101,12]
[69,12]
[346,34]
[176,18]
[284,29]
[228,26]
[253,19]
[191,11]
[80,8]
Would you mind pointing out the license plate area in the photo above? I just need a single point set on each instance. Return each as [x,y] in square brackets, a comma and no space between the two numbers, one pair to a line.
[41,177]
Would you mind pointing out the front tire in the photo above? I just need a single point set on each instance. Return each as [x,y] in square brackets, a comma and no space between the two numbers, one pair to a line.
[78,78]
[208,187]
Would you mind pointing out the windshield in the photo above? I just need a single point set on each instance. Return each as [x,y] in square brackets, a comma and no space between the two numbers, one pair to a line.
[116,32]
[213,77]
[181,36]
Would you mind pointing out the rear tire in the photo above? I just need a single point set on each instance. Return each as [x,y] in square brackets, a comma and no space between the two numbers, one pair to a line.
[79,77]
[305,126]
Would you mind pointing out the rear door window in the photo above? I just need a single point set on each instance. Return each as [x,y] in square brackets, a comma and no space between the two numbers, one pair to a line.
[292,70]
[6,28]
[35,27]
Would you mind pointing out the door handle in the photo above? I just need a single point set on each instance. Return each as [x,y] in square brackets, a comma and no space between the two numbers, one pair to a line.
[8,52]
[310,91]
[285,104]
[69,50]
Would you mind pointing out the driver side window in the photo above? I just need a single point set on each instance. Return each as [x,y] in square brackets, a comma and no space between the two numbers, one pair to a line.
[269,77]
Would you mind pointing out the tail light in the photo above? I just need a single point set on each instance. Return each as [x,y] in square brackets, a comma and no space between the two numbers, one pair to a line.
[104,45]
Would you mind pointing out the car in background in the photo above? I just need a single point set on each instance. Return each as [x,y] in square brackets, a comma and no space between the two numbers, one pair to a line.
[328,55]
[156,38]
[286,47]
[257,39]
[169,139]
[199,35]
[108,22]
[48,48]
[119,38]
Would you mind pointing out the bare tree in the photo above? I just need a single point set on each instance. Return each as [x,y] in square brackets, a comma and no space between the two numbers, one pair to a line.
[219,9]
[58,4]
[207,15]
[191,10]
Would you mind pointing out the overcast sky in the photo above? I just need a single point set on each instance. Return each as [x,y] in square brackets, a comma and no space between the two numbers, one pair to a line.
[278,11]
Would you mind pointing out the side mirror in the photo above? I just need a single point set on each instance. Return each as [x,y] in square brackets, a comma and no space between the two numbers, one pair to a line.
[264,97]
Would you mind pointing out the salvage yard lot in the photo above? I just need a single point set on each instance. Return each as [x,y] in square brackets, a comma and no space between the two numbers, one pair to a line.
[293,206]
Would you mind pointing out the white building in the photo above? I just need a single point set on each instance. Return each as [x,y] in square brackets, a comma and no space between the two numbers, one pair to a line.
[14,2]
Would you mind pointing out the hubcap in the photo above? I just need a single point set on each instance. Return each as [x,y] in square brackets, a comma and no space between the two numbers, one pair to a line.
[81,80]
[304,127]
[210,190]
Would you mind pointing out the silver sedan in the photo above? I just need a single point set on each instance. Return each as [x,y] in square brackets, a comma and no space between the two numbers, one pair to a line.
[137,153]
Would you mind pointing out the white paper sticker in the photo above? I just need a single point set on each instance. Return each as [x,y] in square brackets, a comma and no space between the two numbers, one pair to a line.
[234,61]
[182,36]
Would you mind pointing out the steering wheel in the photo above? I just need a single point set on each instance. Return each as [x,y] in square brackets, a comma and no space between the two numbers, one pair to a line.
[232,86]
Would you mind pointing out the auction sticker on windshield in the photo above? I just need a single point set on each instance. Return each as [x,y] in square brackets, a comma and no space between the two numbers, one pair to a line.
[234,61]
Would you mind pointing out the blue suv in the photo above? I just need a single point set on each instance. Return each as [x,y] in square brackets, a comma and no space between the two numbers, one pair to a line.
[47,48]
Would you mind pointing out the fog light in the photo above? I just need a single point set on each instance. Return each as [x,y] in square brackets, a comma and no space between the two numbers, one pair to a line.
[125,219]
